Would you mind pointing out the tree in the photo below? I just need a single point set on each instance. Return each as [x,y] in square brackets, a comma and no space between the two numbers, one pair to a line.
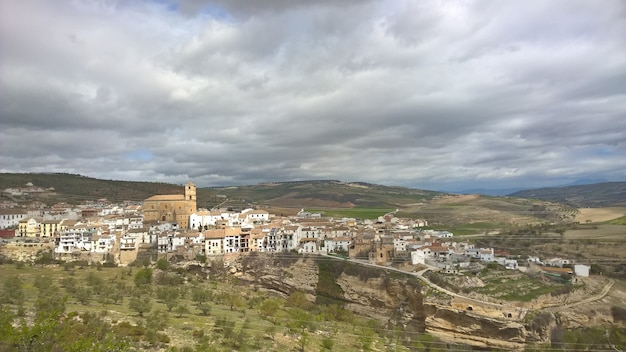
[49,333]
[163,264]
[201,297]
[298,299]
[169,296]
[94,281]
[157,320]
[140,305]
[143,277]
[50,305]
[234,300]
[69,283]
[180,310]
[82,295]
[269,307]
[43,283]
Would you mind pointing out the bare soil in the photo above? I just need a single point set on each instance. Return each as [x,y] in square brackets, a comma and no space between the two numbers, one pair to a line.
[599,214]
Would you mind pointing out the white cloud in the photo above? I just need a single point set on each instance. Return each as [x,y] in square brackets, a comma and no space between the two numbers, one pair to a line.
[398,92]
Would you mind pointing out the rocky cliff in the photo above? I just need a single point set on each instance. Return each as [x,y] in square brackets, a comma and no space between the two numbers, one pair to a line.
[393,299]
[466,327]
[388,297]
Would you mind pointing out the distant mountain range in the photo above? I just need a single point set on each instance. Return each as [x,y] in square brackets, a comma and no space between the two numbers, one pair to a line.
[581,196]
[508,191]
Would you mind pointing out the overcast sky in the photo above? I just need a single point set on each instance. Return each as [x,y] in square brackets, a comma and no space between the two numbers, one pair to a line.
[425,94]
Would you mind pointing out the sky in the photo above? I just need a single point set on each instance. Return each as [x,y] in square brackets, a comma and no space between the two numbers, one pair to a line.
[425,94]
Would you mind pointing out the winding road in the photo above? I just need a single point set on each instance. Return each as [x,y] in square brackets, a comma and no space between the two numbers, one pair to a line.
[554,308]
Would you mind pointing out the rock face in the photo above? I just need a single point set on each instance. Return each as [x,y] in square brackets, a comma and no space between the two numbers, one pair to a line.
[371,292]
[398,300]
[24,252]
[460,326]
[279,275]
[395,300]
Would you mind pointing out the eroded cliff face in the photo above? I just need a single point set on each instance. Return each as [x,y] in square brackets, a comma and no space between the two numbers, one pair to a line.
[397,301]
[459,326]
[393,299]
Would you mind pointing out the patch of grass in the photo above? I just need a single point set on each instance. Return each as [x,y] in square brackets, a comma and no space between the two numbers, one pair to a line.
[520,288]
[467,229]
[357,212]
[618,221]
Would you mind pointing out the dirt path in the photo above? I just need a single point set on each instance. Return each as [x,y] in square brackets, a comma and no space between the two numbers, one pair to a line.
[599,296]
[554,308]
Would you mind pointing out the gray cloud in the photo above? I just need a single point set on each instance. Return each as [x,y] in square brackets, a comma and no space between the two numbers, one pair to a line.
[426,94]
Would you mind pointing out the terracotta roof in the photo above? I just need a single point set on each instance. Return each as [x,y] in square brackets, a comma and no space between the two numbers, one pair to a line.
[214,234]
[13,211]
[551,269]
[166,197]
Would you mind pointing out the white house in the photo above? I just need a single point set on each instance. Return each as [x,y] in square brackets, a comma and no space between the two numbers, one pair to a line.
[252,216]
[74,241]
[308,245]
[214,242]
[559,262]
[336,244]
[581,270]
[419,256]
[103,244]
[507,263]
[486,255]
[444,234]
[10,218]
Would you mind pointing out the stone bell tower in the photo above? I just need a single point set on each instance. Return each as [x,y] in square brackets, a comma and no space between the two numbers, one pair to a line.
[190,196]
[190,192]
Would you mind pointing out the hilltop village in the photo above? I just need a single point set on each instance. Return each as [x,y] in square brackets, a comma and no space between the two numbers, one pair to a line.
[171,226]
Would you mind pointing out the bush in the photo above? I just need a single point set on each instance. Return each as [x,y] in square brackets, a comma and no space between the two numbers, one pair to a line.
[143,277]
[618,313]
[170,279]
[163,264]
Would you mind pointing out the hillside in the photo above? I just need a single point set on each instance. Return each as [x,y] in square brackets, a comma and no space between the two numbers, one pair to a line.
[326,193]
[581,196]
[286,198]
[75,189]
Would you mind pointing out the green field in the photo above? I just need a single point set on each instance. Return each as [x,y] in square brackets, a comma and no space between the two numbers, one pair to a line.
[357,212]
[467,229]
[618,221]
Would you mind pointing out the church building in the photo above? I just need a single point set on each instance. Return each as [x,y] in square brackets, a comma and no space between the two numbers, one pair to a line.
[171,207]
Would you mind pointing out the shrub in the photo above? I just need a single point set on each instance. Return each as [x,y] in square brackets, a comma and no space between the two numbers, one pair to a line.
[618,313]
[143,277]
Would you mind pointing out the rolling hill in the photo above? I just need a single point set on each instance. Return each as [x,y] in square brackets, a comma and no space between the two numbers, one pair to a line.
[286,198]
[581,196]
[326,193]
[75,189]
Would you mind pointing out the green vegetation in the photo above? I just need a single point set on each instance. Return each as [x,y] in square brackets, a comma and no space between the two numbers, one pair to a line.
[594,195]
[330,193]
[121,309]
[356,213]
[521,288]
[598,338]
[74,189]
[618,221]
[467,229]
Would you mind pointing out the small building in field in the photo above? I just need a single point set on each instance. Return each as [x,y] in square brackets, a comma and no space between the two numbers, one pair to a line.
[581,270]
